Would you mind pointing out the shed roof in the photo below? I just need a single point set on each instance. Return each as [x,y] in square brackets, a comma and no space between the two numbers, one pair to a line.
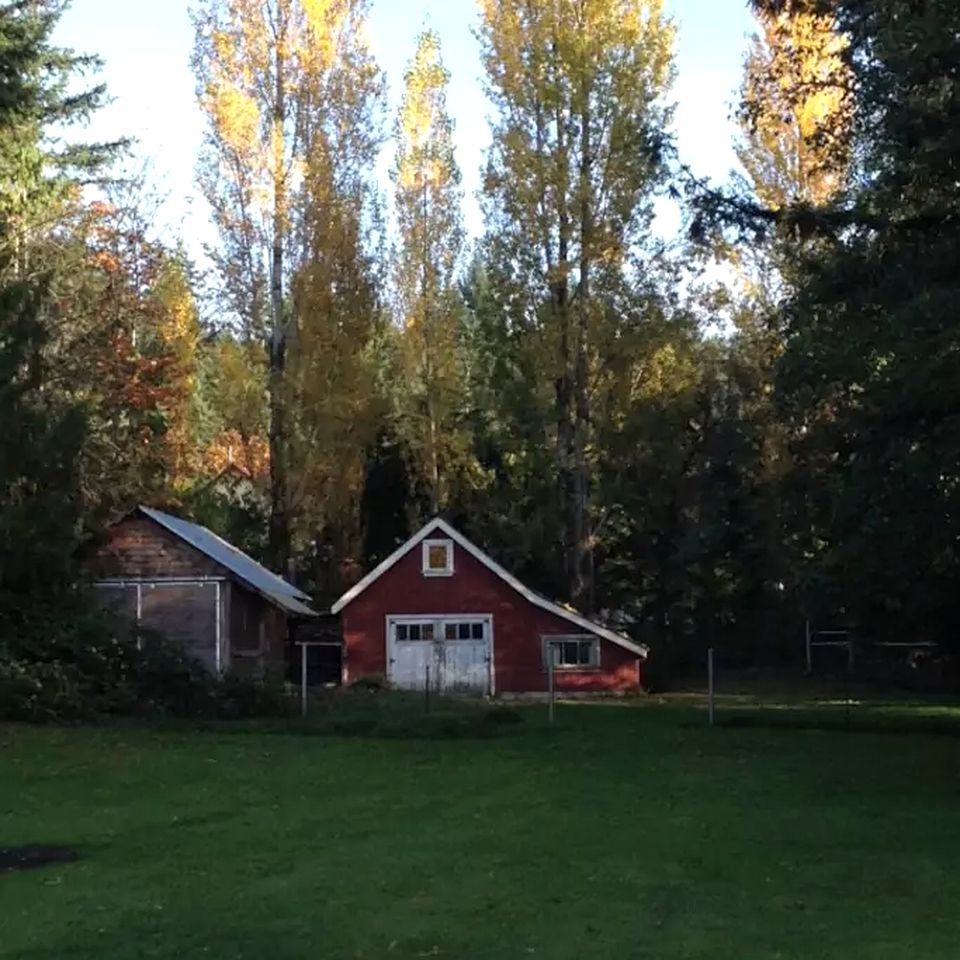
[272,587]
[558,610]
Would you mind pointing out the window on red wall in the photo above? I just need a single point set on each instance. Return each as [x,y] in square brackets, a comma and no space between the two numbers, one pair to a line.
[575,652]
[437,558]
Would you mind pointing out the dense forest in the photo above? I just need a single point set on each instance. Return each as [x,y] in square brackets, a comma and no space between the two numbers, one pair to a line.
[705,441]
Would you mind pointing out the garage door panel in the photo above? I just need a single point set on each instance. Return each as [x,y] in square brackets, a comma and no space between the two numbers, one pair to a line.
[454,652]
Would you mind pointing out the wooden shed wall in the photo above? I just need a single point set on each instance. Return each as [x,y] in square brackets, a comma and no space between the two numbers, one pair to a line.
[258,633]
[140,548]
[253,631]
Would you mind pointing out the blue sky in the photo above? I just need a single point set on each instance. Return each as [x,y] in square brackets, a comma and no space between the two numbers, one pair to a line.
[146,48]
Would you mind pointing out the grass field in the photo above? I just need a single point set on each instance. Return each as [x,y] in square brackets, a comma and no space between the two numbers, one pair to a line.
[624,831]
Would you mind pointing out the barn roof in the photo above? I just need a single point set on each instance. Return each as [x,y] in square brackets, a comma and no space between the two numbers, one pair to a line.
[254,575]
[558,610]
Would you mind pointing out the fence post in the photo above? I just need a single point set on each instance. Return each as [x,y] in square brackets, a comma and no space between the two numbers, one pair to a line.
[552,651]
[809,648]
[710,685]
[426,689]
[303,679]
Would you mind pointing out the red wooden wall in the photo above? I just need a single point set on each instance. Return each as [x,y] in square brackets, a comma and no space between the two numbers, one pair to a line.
[518,626]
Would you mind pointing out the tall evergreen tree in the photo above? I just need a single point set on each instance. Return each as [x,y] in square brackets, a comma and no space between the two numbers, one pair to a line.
[42,433]
[870,376]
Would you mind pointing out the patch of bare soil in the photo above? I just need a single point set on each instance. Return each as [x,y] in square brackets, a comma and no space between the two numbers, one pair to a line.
[30,857]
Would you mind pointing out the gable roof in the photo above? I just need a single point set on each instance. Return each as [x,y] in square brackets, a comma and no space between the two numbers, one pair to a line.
[532,596]
[257,577]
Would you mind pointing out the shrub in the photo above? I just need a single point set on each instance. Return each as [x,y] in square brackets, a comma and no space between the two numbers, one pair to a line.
[38,692]
[92,665]
[237,697]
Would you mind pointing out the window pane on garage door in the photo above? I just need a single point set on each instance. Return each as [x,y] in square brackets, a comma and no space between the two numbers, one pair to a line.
[185,614]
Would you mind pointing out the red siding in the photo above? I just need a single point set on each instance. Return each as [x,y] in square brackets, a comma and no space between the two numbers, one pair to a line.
[518,626]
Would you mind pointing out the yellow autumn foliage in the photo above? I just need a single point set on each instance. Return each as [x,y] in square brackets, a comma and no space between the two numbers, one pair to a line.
[431,236]
[796,112]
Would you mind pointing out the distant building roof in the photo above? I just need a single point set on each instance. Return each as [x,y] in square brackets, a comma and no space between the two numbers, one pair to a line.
[245,568]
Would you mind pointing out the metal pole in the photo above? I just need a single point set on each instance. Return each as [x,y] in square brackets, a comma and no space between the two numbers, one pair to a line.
[426,690]
[809,650]
[303,679]
[710,684]
[218,631]
[550,659]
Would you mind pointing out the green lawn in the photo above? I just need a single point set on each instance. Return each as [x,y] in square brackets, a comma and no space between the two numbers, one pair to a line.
[625,831]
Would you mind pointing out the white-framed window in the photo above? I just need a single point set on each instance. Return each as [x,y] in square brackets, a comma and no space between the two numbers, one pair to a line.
[574,652]
[438,558]
[415,630]
[461,627]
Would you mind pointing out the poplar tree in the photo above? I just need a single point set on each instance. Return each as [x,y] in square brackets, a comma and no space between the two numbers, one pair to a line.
[577,152]
[338,306]
[427,198]
[267,72]
[796,108]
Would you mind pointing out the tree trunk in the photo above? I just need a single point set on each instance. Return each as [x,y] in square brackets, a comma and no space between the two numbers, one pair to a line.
[279,545]
[279,514]
[581,559]
[564,383]
[434,467]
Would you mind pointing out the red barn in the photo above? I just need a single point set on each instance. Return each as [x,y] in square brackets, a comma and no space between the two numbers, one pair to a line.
[438,606]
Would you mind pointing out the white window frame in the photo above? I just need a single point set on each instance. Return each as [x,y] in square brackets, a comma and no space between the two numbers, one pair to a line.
[551,641]
[429,571]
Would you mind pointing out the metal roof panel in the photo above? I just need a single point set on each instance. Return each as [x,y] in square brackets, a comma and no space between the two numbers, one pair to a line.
[275,588]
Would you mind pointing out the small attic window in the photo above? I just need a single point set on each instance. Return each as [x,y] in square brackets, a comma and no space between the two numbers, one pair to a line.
[437,558]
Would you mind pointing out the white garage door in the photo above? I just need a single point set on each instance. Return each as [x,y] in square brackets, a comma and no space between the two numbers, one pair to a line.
[454,652]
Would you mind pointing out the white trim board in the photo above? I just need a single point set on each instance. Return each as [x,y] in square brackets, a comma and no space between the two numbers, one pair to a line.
[556,609]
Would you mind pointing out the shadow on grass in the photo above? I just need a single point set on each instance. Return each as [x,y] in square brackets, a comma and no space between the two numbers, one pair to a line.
[167,936]
[902,721]
[33,856]
[457,724]
[365,714]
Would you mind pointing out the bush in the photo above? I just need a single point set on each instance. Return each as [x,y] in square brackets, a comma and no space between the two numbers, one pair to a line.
[237,697]
[39,692]
[92,666]
[159,678]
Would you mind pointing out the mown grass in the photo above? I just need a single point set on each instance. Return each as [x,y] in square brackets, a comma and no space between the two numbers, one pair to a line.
[623,831]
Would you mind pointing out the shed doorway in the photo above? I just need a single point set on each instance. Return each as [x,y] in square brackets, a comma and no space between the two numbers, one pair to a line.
[454,652]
